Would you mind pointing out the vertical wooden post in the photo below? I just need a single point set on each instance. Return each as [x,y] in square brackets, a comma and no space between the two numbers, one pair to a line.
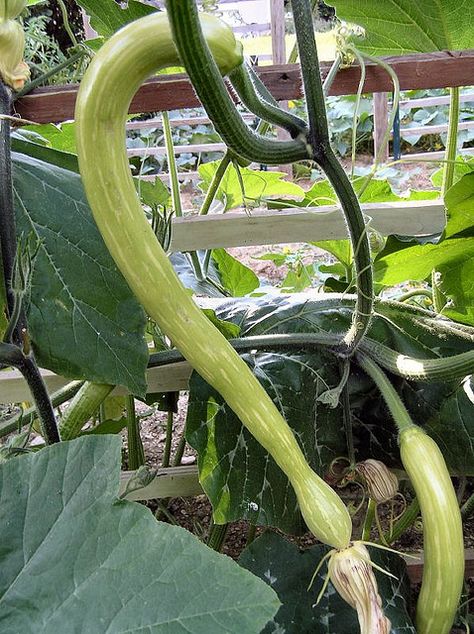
[277,13]
[380,126]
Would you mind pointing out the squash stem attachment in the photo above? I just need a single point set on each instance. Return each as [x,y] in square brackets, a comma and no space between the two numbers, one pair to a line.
[25,361]
[213,94]
[398,410]
[324,156]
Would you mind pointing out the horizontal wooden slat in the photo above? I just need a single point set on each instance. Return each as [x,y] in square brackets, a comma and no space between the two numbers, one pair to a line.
[425,157]
[297,225]
[169,92]
[172,482]
[13,388]
[192,121]
[260,227]
[178,149]
[425,102]
[435,129]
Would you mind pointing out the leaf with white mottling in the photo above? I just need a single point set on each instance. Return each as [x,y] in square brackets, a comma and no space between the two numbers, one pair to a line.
[289,572]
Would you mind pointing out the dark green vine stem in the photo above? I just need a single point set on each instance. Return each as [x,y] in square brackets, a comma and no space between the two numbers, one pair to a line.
[257,99]
[47,419]
[169,437]
[456,366]
[217,536]
[324,156]
[394,403]
[136,455]
[213,94]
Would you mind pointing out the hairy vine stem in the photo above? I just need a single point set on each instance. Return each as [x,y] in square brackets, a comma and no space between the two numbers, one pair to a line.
[7,218]
[213,94]
[38,81]
[410,368]
[324,156]
[26,363]
[254,95]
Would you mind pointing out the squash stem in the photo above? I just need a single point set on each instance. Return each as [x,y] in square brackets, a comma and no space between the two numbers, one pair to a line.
[394,403]
[136,454]
[175,191]
[169,437]
[217,536]
[324,156]
[179,451]
[369,520]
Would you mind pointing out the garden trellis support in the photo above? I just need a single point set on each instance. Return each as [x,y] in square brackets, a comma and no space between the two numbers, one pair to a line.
[430,70]
[416,218]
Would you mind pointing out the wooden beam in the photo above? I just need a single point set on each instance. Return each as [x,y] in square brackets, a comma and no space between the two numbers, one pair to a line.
[168,483]
[277,12]
[178,149]
[169,92]
[14,389]
[301,225]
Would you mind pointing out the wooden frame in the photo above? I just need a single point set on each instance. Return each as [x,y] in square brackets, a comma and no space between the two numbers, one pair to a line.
[168,92]
[260,227]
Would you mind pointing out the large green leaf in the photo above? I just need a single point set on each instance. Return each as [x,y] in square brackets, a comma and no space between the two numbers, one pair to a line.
[237,278]
[452,257]
[32,145]
[289,572]
[403,26]
[83,319]
[378,190]
[107,16]
[239,476]
[258,186]
[460,208]
[74,559]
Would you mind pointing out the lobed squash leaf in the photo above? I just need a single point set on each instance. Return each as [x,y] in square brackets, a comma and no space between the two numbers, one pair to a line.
[75,559]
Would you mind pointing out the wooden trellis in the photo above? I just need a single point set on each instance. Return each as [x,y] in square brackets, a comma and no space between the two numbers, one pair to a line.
[436,70]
